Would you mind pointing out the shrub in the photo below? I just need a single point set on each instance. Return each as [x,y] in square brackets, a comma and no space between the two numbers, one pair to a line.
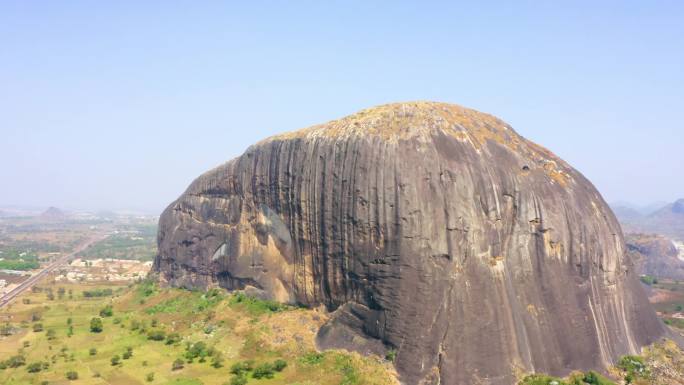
[594,378]
[51,334]
[149,377]
[238,380]
[279,365]
[239,368]
[34,367]
[312,358]
[15,361]
[256,306]
[106,311]
[116,360]
[97,293]
[135,325]
[96,325]
[156,335]
[127,354]
[634,367]
[173,338]
[198,349]
[38,327]
[71,375]
[541,379]
[264,370]
[178,364]
[648,280]
[92,351]
[217,360]
[391,355]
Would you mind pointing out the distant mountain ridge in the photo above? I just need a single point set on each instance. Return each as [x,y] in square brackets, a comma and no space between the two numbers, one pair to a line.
[668,220]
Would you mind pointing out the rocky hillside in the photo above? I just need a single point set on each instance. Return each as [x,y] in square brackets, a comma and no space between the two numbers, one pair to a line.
[434,232]
[655,255]
[53,214]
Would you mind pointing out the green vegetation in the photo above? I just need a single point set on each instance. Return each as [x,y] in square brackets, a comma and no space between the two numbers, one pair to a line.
[312,358]
[391,355]
[649,280]
[14,259]
[19,265]
[96,325]
[107,311]
[72,375]
[96,293]
[196,302]
[138,243]
[634,368]
[256,306]
[589,378]
[213,338]
[156,335]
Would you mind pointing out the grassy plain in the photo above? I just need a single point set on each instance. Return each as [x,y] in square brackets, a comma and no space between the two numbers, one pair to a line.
[234,329]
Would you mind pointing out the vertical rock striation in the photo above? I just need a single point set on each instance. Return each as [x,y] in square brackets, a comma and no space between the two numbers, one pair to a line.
[429,228]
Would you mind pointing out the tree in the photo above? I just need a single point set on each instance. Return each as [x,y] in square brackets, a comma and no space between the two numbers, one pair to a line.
[116,360]
[279,365]
[128,353]
[96,325]
[71,375]
[106,311]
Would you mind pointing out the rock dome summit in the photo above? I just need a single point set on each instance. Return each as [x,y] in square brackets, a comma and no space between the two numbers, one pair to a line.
[426,228]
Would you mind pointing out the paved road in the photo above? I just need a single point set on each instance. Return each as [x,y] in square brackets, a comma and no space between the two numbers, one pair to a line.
[7,298]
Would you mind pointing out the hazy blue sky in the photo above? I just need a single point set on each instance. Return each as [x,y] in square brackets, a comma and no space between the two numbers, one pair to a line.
[120,104]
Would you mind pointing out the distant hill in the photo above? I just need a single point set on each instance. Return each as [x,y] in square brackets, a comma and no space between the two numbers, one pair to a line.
[655,255]
[668,220]
[53,214]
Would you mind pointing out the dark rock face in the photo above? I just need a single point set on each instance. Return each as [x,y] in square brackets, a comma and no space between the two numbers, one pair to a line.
[432,229]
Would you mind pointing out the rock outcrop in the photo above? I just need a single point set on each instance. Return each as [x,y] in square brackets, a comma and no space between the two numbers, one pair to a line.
[655,255]
[427,228]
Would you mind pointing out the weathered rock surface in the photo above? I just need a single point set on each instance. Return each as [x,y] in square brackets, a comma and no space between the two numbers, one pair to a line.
[655,255]
[434,230]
